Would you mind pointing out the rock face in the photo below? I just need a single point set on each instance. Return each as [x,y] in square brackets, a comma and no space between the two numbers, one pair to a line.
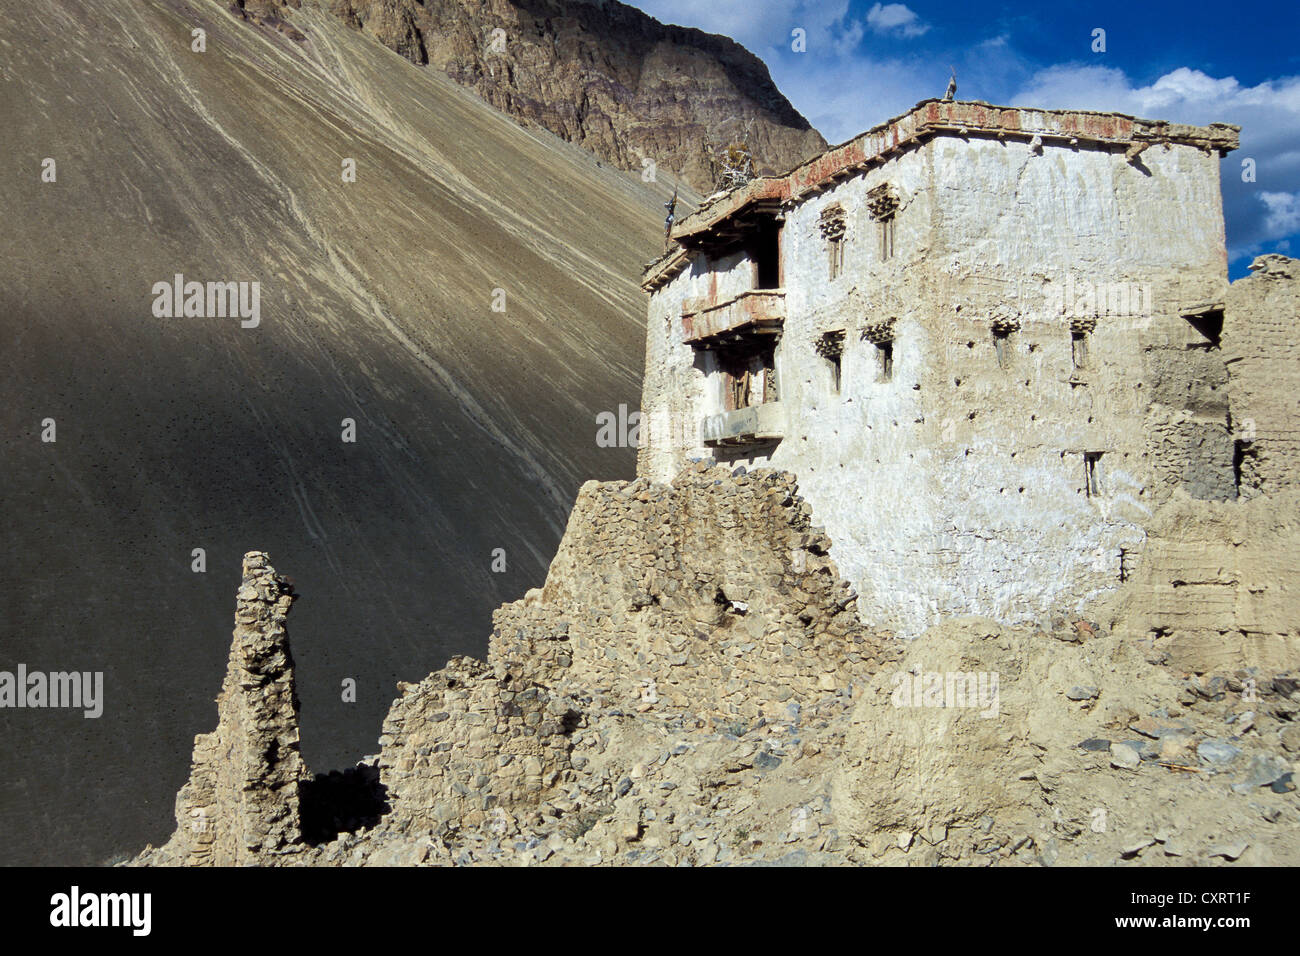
[241,802]
[603,75]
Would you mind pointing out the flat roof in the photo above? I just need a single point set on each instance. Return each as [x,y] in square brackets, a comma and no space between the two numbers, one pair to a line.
[964,118]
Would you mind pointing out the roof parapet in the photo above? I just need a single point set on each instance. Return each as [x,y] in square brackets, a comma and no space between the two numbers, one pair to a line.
[1068,128]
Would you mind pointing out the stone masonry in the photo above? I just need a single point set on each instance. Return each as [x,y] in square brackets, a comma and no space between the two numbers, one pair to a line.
[241,802]
[1264,368]
[464,743]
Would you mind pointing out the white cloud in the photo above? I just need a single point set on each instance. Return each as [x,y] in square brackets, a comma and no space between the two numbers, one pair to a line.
[1283,217]
[1185,91]
[895,18]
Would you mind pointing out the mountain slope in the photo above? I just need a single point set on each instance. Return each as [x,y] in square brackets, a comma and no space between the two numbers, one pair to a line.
[473,428]
[600,74]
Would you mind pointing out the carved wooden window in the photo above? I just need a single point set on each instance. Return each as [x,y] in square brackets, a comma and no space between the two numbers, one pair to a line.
[881,336]
[882,204]
[739,384]
[832,226]
[830,346]
[749,377]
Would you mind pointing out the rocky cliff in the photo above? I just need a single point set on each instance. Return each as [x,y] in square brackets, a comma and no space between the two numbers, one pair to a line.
[603,75]
[243,798]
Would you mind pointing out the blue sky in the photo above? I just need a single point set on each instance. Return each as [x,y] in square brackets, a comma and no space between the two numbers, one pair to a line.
[1191,61]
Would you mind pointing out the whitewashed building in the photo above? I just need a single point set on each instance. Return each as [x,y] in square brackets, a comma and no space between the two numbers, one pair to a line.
[985,339]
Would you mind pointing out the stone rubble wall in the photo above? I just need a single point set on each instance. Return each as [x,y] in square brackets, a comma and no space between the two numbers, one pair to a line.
[713,600]
[714,595]
[1216,586]
[242,798]
[466,741]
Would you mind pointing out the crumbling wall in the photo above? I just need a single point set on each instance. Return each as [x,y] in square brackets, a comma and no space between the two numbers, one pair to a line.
[713,600]
[241,802]
[464,742]
[1183,378]
[1217,586]
[714,596]
[1260,340]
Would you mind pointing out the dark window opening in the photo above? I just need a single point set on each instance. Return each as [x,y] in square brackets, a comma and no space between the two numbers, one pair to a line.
[766,252]
[1241,450]
[1079,349]
[831,348]
[1209,325]
[885,360]
[887,237]
[1002,346]
[1092,473]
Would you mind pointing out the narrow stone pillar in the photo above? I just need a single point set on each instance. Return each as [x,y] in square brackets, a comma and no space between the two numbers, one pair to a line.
[242,799]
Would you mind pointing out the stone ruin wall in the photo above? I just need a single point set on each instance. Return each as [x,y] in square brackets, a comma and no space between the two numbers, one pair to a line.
[959,485]
[1217,586]
[1262,348]
[242,800]
[714,596]
[465,741]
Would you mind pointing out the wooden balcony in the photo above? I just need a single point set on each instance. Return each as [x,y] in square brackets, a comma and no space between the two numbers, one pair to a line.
[754,425]
[754,311]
